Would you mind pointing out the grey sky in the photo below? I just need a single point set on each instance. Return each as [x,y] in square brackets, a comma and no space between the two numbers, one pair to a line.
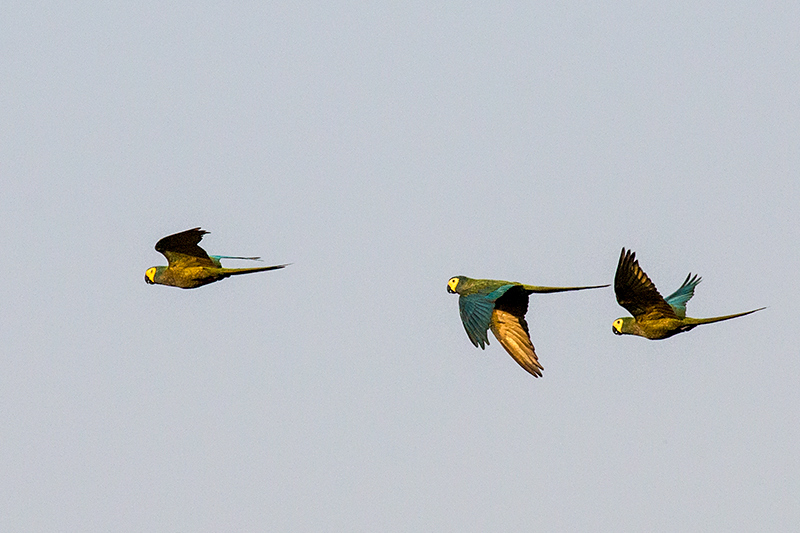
[383,149]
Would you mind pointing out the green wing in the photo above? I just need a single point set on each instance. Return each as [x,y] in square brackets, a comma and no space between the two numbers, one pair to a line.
[476,312]
[503,310]
[636,292]
[182,250]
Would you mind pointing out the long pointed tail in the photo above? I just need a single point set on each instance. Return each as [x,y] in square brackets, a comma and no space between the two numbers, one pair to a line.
[237,271]
[535,288]
[699,321]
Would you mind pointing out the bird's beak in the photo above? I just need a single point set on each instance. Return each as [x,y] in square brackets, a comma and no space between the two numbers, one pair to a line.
[615,331]
[148,280]
[451,285]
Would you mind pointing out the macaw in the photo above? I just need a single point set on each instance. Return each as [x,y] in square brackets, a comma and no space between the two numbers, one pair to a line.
[654,317]
[501,306]
[190,266]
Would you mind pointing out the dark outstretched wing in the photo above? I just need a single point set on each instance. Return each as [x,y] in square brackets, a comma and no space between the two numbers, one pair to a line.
[636,292]
[181,249]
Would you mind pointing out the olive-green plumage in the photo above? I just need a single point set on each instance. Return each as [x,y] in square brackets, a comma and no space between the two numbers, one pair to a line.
[654,317]
[190,266]
[501,306]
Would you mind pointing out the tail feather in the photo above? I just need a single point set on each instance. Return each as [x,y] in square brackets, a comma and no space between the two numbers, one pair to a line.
[699,321]
[237,271]
[536,288]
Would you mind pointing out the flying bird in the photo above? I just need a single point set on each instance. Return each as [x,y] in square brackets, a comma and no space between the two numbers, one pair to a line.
[654,317]
[501,306]
[190,266]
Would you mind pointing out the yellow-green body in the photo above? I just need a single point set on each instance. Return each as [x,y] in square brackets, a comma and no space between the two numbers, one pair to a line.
[193,277]
[663,328]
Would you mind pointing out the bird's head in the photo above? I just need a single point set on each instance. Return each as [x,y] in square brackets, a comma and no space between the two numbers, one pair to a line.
[452,285]
[621,326]
[150,275]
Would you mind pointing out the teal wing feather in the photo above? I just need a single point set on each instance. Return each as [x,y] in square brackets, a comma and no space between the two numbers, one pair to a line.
[476,314]
[216,259]
[679,298]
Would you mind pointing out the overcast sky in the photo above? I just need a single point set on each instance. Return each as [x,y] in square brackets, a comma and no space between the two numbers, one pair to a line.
[382,149]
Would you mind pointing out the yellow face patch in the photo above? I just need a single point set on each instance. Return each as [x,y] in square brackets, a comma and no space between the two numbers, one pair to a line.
[151,274]
[452,284]
[618,325]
